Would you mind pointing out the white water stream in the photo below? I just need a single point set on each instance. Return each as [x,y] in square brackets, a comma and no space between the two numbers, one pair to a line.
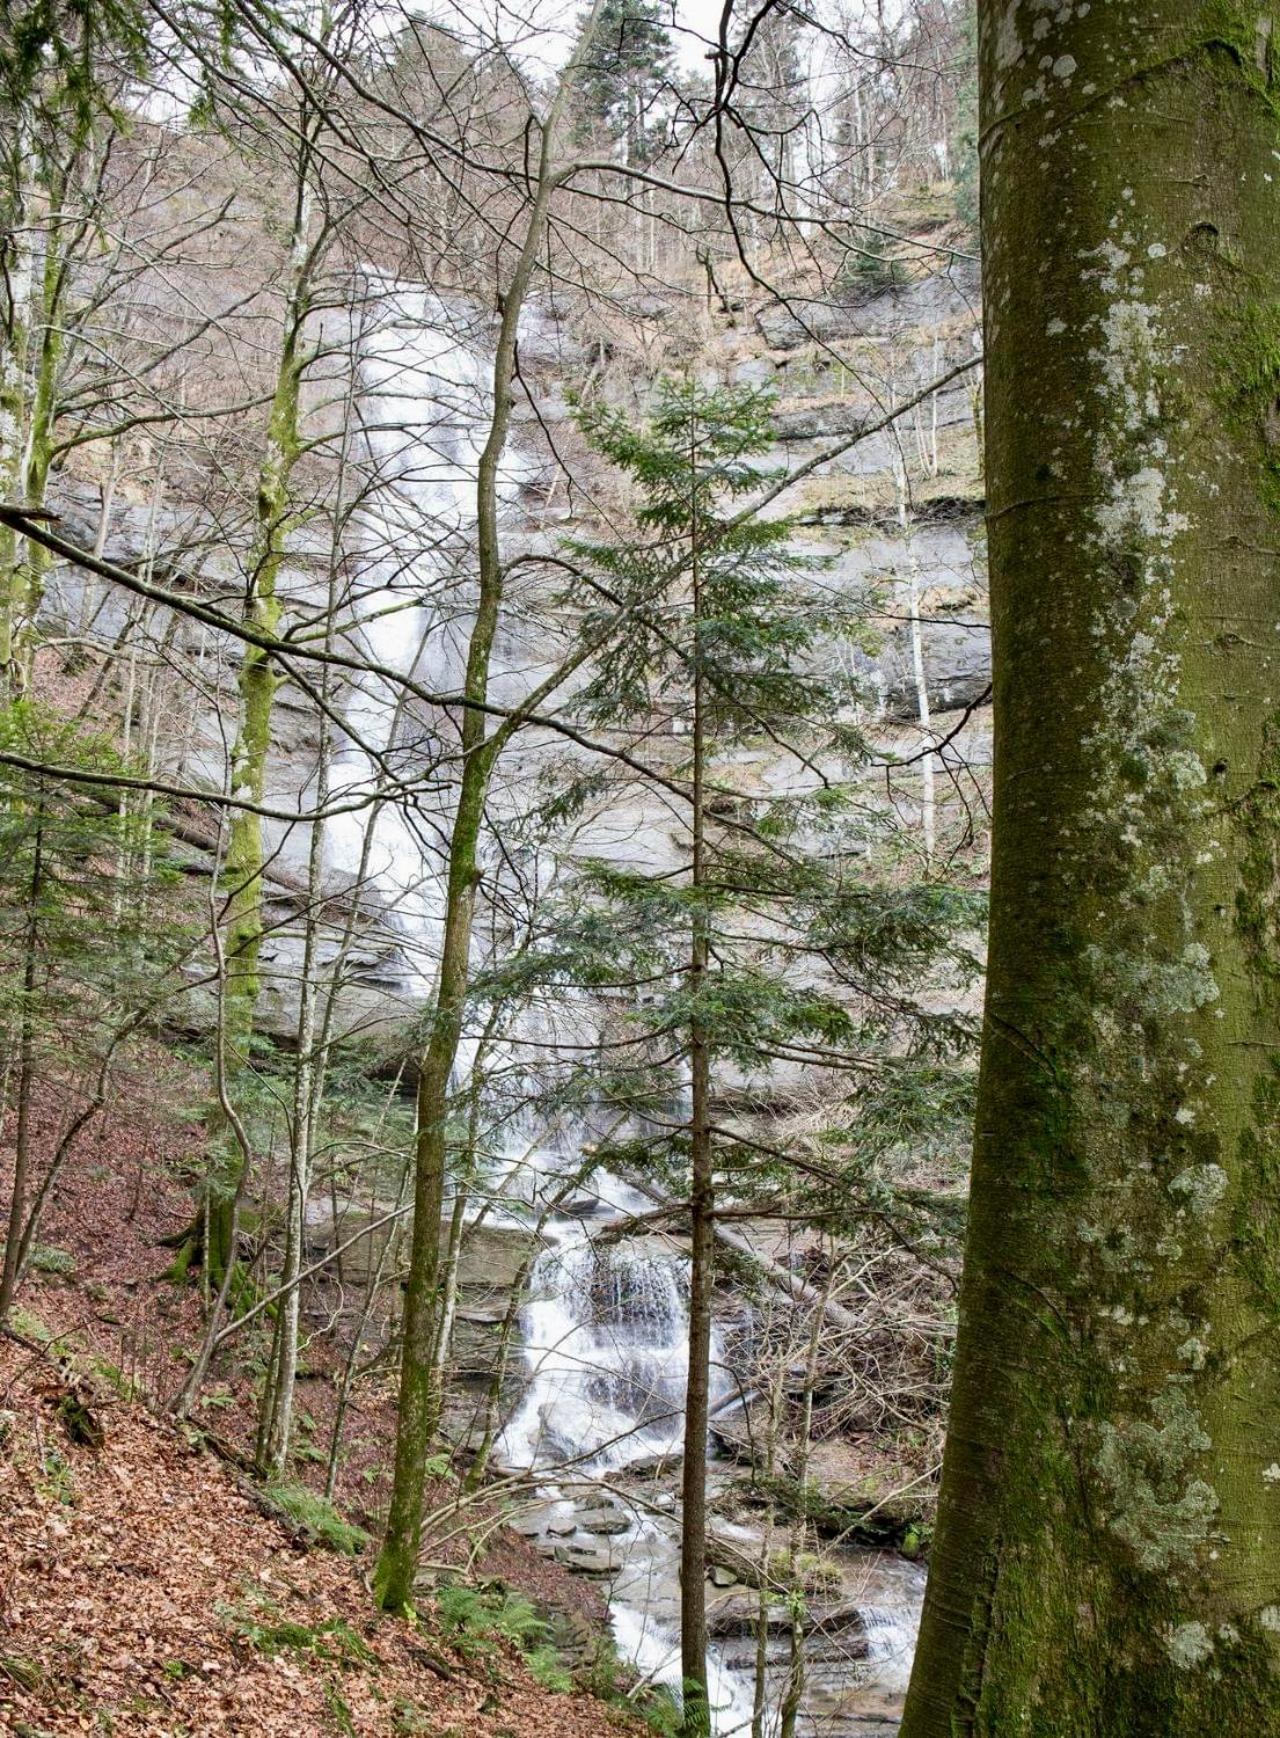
[605,1325]
[605,1333]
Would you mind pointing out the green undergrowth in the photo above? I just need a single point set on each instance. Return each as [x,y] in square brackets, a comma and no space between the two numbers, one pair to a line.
[255,1622]
[28,1325]
[121,1384]
[812,1573]
[316,1516]
[58,1262]
[27,1674]
[613,1682]
[477,1621]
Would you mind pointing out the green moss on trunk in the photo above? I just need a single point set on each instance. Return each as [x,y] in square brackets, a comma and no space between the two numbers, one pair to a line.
[258,680]
[420,1400]
[1108,1546]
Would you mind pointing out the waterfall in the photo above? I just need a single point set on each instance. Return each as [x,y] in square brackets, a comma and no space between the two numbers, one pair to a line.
[655,1653]
[891,1633]
[606,1343]
[605,1324]
[425,397]
[605,1331]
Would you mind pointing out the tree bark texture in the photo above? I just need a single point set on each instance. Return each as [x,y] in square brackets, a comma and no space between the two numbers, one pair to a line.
[693,1492]
[1108,1549]
[13,1248]
[257,683]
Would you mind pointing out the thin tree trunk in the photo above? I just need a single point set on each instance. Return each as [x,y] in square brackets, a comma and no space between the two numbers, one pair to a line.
[33,563]
[793,1694]
[257,687]
[760,1686]
[693,1522]
[66,1144]
[448,1301]
[216,1301]
[14,343]
[91,584]
[1107,1558]
[919,675]
[373,1283]
[13,1249]
[418,1407]
[276,1420]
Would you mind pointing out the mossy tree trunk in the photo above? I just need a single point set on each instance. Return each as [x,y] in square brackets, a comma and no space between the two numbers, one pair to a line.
[54,164]
[418,1411]
[256,688]
[17,1222]
[15,314]
[30,374]
[693,1483]
[1108,1548]
[37,456]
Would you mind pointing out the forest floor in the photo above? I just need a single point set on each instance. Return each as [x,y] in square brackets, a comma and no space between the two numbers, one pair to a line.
[145,1583]
[143,1590]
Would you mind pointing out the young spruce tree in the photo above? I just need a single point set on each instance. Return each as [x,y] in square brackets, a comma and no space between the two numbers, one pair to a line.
[785,927]
[719,627]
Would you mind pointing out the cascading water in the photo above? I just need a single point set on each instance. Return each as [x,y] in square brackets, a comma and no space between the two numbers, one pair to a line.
[891,1632]
[606,1320]
[605,1340]
[609,1367]
[425,397]
[605,1332]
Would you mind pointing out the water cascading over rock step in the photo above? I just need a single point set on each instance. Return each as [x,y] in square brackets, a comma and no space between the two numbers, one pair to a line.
[606,1344]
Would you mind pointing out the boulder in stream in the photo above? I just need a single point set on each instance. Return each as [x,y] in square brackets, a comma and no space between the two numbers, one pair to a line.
[604,1523]
[585,1559]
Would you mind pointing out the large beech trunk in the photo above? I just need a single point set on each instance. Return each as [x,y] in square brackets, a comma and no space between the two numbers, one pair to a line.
[1108,1547]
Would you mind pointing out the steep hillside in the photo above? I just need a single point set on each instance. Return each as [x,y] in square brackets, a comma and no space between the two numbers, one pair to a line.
[149,1584]
[145,1589]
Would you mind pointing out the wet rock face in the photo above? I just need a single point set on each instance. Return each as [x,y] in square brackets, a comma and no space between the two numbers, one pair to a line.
[604,1522]
[184,543]
[860,1625]
[957,662]
[587,1559]
[491,1266]
[885,313]
[929,325]
[881,1505]
[942,563]
[846,416]
[493,1259]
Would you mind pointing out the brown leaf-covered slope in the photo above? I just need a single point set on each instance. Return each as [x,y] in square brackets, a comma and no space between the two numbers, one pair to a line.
[142,1591]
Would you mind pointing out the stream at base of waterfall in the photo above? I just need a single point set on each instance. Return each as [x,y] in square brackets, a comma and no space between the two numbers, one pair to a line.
[601,1427]
[600,1424]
